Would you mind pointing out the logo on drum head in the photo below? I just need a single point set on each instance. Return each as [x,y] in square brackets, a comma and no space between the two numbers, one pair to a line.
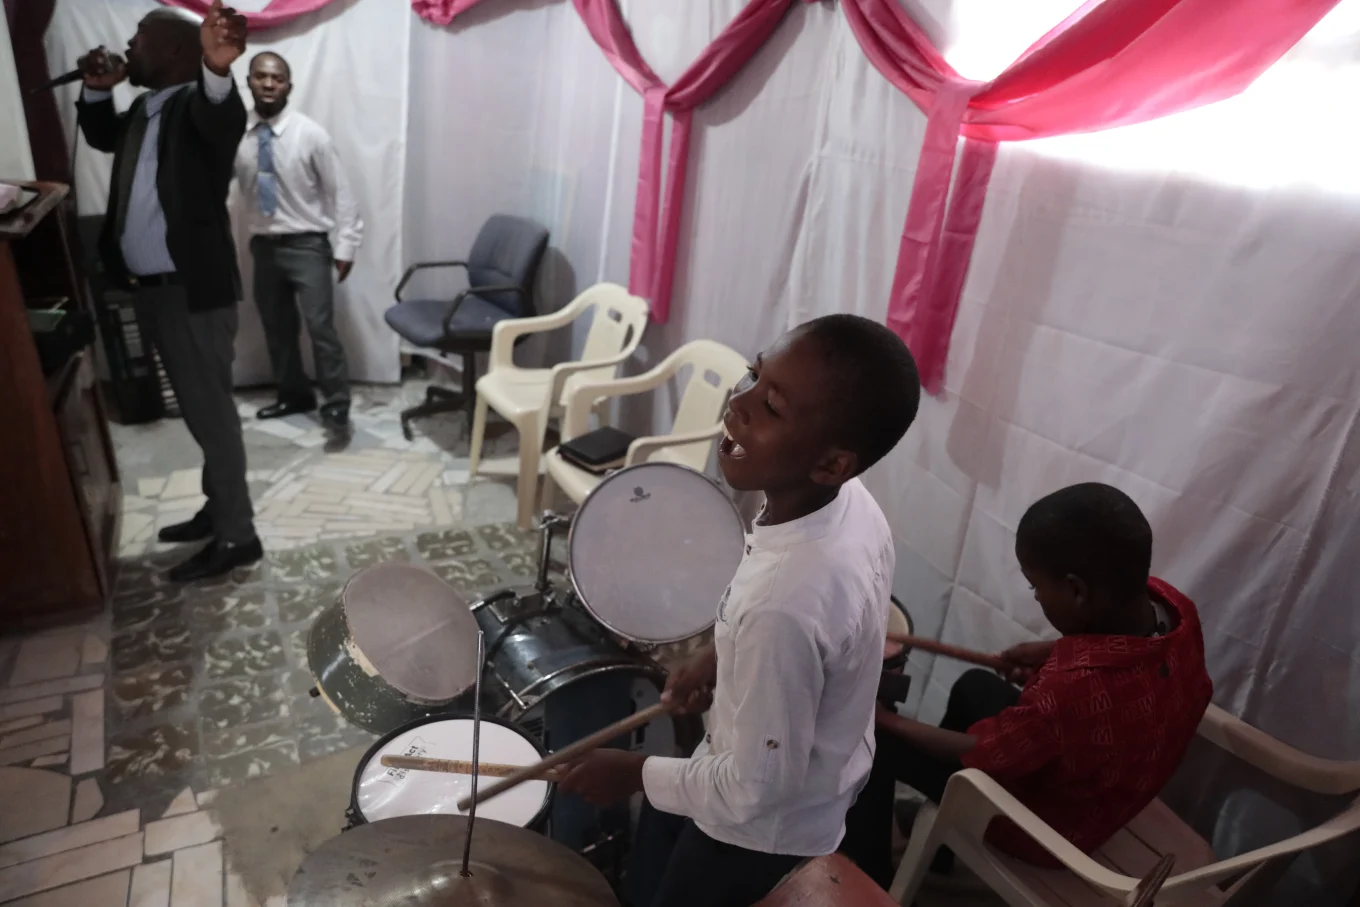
[639,494]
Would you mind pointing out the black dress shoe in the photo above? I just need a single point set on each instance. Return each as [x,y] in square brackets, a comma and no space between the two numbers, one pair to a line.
[216,558]
[194,530]
[335,415]
[287,408]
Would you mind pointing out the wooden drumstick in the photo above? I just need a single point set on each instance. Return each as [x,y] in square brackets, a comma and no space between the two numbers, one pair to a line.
[456,767]
[567,754]
[942,648]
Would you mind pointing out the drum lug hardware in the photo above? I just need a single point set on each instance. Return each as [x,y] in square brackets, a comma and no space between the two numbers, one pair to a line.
[548,524]
[498,595]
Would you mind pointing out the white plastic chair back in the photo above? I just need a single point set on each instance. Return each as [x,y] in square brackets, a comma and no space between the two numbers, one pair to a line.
[715,370]
[616,325]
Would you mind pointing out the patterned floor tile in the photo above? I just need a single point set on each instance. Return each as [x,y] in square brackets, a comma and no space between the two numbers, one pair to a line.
[257,654]
[446,544]
[376,551]
[142,693]
[520,564]
[212,611]
[239,701]
[221,744]
[157,751]
[164,644]
[472,578]
[300,565]
[249,764]
[504,537]
[140,608]
[306,602]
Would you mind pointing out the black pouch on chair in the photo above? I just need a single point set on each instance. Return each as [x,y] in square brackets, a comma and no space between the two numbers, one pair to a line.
[597,451]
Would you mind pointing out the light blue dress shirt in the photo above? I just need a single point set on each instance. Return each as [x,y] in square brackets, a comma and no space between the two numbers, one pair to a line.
[143,239]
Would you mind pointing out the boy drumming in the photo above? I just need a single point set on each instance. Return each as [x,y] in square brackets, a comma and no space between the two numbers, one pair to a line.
[798,644]
[1106,713]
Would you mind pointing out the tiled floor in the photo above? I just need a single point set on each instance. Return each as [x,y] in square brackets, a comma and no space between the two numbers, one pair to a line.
[115,734]
[306,489]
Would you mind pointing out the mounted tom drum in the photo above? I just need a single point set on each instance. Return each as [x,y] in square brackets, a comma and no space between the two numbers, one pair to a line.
[398,645]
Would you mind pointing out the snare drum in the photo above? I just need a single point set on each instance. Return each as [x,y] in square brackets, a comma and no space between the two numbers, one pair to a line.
[399,644]
[899,621]
[651,551]
[382,793]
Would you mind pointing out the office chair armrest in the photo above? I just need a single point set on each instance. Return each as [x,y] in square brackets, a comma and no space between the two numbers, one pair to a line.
[461,297]
[642,448]
[420,266]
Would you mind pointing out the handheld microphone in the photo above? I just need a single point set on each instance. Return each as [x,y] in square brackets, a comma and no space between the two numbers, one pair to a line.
[74,75]
[113,62]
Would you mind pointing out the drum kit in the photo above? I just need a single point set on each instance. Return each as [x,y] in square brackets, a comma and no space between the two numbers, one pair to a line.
[402,654]
[457,689]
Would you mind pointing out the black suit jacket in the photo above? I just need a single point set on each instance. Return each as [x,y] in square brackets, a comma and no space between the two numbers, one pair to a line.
[198,141]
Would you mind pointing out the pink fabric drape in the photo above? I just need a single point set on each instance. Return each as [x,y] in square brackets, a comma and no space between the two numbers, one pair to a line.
[1110,64]
[441,12]
[656,219]
[276,13]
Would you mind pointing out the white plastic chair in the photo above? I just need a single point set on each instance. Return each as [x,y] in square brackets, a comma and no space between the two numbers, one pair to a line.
[698,420]
[528,397]
[972,799]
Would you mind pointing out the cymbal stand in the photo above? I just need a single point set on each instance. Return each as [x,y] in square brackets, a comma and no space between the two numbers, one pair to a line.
[476,750]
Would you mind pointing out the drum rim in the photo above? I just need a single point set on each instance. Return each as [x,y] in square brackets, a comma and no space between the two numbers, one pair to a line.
[356,810]
[900,659]
[571,536]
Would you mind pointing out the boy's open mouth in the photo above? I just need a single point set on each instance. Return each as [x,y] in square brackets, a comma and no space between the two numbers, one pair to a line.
[730,448]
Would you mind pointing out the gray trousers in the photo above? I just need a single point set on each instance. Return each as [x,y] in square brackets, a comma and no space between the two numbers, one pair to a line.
[292,272]
[197,349]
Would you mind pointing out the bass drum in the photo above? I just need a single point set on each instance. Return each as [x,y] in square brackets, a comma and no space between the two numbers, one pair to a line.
[381,793]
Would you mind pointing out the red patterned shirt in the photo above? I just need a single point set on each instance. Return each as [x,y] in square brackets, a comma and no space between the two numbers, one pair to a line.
[1098,730]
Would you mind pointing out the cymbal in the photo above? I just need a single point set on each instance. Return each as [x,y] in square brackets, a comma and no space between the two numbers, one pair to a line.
[415,861]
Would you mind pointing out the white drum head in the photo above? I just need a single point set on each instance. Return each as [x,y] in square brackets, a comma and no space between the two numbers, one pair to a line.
[387,792]
[652,549]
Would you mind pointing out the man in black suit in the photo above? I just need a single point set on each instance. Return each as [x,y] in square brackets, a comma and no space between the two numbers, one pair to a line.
[167,237]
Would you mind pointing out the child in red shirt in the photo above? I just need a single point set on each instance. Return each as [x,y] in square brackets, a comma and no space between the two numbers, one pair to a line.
[1106,712]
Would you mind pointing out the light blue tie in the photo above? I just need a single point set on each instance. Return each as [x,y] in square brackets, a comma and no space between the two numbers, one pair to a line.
[267,183]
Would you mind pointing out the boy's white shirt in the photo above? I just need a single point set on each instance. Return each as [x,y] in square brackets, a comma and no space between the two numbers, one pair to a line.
[799,640]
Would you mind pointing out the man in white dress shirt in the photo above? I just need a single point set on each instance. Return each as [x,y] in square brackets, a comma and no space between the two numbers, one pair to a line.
[797,650]
[296,198]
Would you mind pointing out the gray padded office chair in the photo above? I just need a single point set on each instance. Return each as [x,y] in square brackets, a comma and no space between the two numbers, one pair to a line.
[501,269]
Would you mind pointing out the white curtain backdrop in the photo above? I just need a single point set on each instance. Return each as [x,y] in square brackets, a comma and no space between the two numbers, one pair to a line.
[1168,308]
[348,76]
[16,161]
